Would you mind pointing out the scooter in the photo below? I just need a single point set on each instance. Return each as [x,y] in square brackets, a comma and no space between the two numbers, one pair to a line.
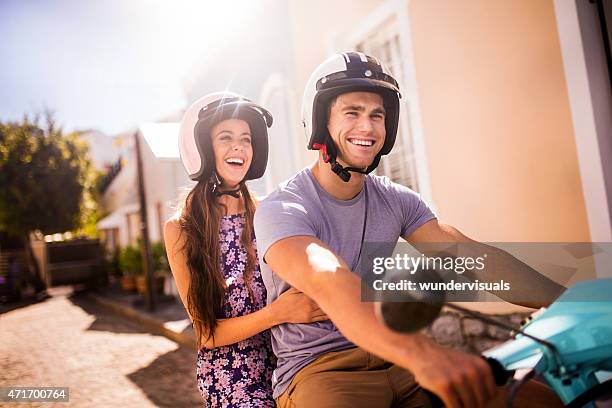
[568,344]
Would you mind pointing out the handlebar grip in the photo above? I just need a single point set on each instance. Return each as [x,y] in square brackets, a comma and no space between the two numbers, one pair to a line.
[434,400]
[500,374]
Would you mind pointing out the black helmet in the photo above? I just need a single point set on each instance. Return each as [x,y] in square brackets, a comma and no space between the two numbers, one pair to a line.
[342,73]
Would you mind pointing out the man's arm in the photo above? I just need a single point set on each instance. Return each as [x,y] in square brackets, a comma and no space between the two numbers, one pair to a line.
[309,265]
[526,283]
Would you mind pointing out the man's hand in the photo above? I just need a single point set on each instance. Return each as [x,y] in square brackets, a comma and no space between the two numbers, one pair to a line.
[458,379]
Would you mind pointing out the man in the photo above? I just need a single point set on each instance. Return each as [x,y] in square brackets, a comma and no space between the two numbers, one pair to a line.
[310,234]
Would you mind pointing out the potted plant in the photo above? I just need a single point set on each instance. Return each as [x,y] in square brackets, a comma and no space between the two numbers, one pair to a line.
[160,265]
[130,263]
[160,262]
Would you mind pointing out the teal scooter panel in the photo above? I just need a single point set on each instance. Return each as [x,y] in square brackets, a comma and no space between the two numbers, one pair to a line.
[578,326]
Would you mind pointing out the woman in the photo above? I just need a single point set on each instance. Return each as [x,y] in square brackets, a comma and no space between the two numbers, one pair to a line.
[211,250]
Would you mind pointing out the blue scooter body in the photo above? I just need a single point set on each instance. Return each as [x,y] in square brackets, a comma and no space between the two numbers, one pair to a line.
[579,325]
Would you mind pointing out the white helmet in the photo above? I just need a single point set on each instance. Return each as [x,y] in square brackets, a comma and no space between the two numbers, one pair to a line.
[342,73]
[195,146]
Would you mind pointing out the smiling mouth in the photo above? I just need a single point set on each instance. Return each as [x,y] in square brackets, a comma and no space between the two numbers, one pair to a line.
[361,142]
[235,162]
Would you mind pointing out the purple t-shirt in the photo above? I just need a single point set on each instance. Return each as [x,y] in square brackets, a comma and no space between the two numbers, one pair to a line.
[300,206]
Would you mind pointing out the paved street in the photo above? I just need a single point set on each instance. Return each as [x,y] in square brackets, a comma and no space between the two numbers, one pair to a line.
[104,359]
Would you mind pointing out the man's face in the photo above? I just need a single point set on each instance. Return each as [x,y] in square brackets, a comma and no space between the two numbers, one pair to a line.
[357,127]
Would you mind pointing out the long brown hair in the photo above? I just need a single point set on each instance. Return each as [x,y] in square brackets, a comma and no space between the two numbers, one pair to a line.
[199,220]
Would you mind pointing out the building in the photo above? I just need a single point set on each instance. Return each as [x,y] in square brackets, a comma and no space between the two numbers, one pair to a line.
[164,182]
[506,105]
[506,108]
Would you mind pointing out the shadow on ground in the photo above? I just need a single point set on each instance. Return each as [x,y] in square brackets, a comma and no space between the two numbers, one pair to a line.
[169,381]
[10,306]
[105,321]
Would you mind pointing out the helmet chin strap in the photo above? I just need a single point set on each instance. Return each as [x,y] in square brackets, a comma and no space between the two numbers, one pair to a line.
[344,172]
[340,170]
[217,182]
[234,193]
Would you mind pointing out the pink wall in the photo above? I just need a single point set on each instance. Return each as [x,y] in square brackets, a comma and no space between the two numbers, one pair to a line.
[496,119]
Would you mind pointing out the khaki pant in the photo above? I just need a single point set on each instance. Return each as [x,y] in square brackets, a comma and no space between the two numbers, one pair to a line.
[352,378]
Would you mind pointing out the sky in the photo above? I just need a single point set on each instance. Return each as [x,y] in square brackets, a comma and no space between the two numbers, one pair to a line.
[107,65]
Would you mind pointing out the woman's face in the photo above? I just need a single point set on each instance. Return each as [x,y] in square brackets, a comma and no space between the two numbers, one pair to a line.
[231,143]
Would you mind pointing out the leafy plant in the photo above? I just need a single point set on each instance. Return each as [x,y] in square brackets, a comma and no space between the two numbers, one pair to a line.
[43,174]
[160,260]
[130,261]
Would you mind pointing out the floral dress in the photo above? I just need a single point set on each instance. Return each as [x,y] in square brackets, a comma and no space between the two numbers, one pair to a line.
[238,375]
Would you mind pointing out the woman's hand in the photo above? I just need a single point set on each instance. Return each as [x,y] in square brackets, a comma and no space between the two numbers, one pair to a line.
[293,306]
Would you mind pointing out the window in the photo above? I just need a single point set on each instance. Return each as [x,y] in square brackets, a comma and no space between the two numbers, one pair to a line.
[283,161]
[383,42]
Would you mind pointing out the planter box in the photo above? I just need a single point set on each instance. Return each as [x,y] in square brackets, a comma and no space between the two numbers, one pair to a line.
[158,284]
[128,283]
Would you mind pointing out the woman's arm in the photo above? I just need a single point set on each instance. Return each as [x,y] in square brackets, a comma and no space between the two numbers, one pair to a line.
[292,306]
[235,329]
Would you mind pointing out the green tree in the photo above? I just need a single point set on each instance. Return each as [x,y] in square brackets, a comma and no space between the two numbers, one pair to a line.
[42,177]
[43,174]
[90,205]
